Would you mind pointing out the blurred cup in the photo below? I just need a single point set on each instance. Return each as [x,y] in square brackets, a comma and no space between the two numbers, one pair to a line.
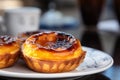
[90,11]
[21,19]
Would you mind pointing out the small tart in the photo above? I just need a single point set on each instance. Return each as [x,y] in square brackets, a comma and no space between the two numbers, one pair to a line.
[23,36]
[9,51]
[52,51]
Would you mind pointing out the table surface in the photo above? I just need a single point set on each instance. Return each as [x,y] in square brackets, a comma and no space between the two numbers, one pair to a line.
[112,73]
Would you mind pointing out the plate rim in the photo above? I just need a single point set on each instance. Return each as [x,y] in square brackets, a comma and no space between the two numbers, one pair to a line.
[57,75]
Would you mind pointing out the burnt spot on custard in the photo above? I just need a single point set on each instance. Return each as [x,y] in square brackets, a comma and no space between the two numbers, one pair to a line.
[53,41]
[7,40]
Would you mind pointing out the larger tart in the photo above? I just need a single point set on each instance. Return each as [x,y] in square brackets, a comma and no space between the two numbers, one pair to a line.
[52,52]
[9,51]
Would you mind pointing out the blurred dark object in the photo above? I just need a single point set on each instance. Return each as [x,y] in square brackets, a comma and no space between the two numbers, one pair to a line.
[90,11]
[42,4]
[116,53]
[116,4]
[65,4]
[91,39]
[94,77]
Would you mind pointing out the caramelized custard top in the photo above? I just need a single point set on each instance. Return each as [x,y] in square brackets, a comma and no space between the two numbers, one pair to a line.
[6,40]
[8,45]
[57,41]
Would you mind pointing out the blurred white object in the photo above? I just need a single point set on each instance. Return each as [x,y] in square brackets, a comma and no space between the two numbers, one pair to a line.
[2,27]
[21,19]
[109,30]
[53,19]
[109,25]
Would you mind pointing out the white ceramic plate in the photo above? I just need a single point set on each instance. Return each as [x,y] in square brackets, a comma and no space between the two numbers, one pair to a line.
[95,61]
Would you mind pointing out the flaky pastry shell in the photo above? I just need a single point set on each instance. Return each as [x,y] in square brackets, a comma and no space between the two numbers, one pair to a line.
[49,66]
[52,52]
[8,59]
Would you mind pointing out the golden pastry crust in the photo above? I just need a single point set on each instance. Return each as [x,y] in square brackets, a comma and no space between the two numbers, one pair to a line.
[9,51]
[47,51]
[55,66]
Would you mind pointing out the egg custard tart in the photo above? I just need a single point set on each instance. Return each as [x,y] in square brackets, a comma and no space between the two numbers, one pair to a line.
[23,36]
[52,52]
[9,51]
